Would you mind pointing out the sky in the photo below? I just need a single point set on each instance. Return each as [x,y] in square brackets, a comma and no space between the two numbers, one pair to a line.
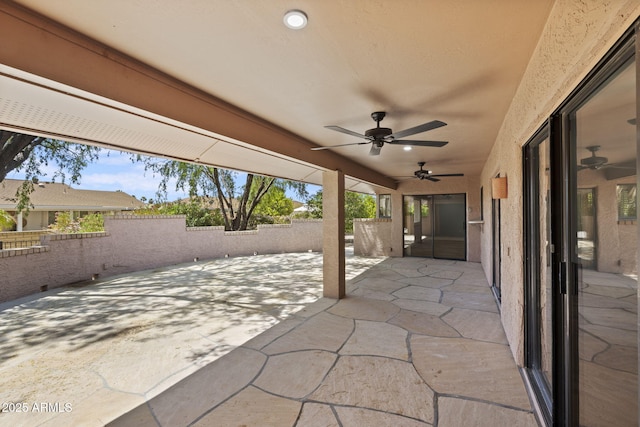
[115,171]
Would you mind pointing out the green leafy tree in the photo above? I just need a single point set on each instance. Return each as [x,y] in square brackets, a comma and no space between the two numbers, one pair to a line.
[31,154]
[65,223]
[6,221]
[275,203]
[356,205]
[237,202]
[92,223]
[314,204]
[198,211]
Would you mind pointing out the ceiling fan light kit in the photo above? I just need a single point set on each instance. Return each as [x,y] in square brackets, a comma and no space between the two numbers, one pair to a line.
[380,136]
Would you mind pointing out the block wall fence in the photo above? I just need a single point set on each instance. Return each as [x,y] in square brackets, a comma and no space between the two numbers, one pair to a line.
[133,243]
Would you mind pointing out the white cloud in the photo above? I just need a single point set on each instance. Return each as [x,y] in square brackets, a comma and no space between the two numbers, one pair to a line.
[134,182]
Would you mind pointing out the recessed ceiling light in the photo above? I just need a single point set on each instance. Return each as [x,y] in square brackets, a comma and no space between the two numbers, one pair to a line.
[407,148]
[295,19]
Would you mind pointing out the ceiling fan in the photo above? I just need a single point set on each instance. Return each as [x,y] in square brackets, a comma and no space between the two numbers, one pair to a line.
[612,170]
[378,136]
[593,162]
[428,175]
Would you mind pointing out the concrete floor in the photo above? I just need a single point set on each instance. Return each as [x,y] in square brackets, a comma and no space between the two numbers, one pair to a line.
[418,342]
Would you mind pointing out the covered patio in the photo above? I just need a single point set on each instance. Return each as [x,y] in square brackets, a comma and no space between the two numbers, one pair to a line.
[497,91]
[417,342]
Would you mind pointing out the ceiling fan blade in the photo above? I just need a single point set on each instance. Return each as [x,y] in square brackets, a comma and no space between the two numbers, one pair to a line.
[375,150]
[340,145]
[418,129]
[418,143]
[630,164]
[431,178]
[449,174]
[347,131]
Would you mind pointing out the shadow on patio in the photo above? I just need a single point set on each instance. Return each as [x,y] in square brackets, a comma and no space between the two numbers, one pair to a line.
[104,347]
[418,342]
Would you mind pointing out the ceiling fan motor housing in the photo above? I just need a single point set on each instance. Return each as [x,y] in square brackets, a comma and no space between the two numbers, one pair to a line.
[593,161]
[378,133]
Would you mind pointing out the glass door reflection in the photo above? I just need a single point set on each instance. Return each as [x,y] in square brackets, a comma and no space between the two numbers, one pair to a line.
[605,241]
[435,226]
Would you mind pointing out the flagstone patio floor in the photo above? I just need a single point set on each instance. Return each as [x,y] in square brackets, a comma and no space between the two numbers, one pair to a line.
[417,342]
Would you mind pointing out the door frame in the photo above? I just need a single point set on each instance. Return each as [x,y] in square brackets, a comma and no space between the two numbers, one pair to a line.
[496,277]
[432,216]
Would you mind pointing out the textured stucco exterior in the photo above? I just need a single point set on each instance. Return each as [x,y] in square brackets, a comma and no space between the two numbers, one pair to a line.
[133,243]
[576,36]
[372,237]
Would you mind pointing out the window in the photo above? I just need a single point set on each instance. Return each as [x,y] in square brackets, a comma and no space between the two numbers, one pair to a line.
[626,196]
[384,206]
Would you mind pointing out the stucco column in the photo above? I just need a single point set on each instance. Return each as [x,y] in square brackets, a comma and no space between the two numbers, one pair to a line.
[19,222]
[397,224]
[417,220]
[333,266]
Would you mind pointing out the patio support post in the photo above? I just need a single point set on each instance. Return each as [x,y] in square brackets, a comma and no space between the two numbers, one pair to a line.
[333,266]
[397,221]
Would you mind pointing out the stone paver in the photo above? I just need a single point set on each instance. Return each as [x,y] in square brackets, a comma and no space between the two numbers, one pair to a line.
[378,383]
[370,359]
[460,412]
[303,372]
[253,407]
[465,367]
[390,354]
[105,347]
[366,340]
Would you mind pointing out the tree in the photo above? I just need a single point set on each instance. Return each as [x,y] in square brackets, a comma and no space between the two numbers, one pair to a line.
[31,154]
[314,204]
[198,211]
[275,203]
[237,203]
[6,221]
[356,205]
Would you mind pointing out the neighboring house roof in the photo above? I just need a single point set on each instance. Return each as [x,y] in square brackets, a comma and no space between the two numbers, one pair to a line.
[48,196]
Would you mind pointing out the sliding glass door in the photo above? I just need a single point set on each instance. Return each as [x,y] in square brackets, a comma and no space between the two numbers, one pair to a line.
[581,246]
[539,325]
[435,226]
[603,141]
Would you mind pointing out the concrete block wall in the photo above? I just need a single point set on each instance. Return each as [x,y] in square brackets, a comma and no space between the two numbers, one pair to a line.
[134,243]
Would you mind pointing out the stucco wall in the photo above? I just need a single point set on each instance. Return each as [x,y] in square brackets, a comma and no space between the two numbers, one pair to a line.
[133,243]
[372,237]
[576,36]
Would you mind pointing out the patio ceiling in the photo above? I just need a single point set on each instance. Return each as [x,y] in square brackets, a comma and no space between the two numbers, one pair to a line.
[418,60]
